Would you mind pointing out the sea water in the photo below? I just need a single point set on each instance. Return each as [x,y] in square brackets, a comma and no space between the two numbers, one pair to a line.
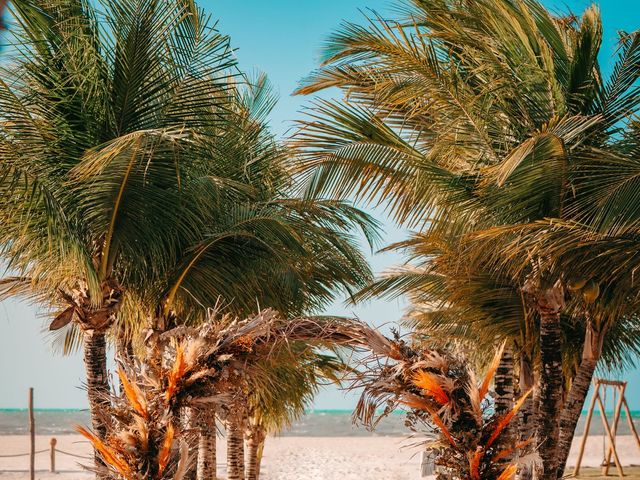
[315,423]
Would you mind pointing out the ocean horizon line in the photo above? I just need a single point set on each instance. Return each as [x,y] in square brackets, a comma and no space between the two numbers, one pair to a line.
[316,411]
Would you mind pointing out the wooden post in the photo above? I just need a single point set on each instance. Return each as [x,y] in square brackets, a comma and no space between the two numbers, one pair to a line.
[632,427]
[612,441]
[611,432]
[32,433]
[587,426]
[52,455]
[614,430]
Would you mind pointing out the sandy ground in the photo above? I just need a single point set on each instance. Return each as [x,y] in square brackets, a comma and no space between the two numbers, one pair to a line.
[286,458]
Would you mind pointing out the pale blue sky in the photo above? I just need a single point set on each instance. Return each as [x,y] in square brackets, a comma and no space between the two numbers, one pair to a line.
[281,38]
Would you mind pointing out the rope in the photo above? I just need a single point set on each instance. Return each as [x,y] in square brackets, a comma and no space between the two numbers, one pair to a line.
[73,454]
[45,450]
[24,454]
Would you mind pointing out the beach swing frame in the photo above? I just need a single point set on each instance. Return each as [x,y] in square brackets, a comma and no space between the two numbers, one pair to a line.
[618,388]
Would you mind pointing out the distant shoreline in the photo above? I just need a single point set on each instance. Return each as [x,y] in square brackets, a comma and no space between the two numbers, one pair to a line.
[321,422]
[634,413]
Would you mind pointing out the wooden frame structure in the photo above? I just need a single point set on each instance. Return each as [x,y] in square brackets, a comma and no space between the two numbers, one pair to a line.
[610,430]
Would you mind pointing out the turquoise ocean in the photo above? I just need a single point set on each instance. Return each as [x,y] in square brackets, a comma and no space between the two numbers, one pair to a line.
[315,423]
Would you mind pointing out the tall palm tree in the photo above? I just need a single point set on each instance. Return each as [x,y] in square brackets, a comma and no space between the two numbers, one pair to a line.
[261,249]
[460,111]
[104,117]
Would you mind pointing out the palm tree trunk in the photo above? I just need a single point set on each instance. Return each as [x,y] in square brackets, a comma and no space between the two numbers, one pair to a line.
[504,389]
[206,421]
[255,444]
[548,300]
[526,414]
[95,362]
[235,448]
[591,352]
[551,388]
[190,429]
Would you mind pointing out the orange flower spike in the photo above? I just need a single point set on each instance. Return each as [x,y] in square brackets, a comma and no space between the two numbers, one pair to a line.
[435,418]
[508,473]
[486,381]
[502,454]
[134,395]
[505,453]
[176,373]
[414,401]
[108,454]
[506,419]
[165,450]
[474,464]
[430,384]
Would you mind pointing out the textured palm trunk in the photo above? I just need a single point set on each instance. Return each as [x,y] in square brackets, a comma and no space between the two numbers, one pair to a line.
[551,388]
[190,429]
[95,363]
[255,445]
[526,414]
[591,352]
[235,449]
[504,389]
[549,302]
[206,421]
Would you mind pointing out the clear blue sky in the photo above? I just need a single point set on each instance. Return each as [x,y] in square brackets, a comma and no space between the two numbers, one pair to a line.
[281,38]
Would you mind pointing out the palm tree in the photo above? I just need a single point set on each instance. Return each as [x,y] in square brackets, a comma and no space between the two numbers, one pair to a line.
[454,303]
[261,249]
[298,371]
[460,111]
[227,224]
[105,116]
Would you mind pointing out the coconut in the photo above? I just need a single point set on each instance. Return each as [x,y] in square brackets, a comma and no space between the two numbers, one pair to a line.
[590,291]
[576,283]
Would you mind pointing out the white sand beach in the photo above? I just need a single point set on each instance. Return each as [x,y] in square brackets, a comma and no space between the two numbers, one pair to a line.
[286,458]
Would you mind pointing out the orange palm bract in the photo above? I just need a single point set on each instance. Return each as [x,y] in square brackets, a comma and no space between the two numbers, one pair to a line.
[435,418]
[165,451]
[505,453]
[509,473]
[486,381]
[134,395]
[474,464]
[176,373]
[415,401]
[109,455]
[431,385]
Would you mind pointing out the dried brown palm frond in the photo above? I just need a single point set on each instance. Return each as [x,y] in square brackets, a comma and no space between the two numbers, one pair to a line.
[442,394]
[208,364]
